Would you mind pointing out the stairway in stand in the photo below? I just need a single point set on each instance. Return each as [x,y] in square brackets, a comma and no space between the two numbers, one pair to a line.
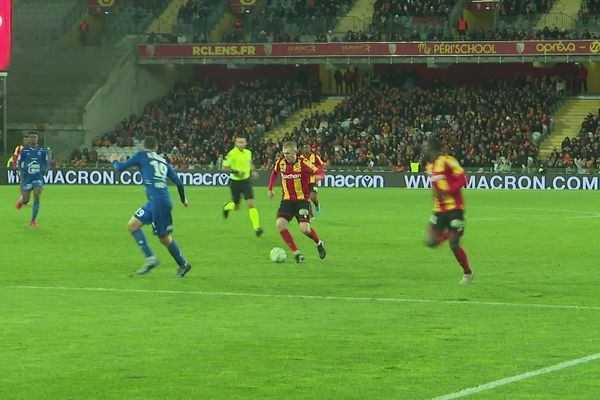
[567,122]
[295,120]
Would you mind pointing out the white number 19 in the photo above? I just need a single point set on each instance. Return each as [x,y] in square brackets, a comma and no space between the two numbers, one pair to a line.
[160,170]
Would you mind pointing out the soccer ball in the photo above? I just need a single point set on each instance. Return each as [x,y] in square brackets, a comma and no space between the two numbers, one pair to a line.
[278,255]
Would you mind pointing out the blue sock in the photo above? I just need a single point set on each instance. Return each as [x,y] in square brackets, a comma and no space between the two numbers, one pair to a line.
[35,210]
[176,253]
[140,238]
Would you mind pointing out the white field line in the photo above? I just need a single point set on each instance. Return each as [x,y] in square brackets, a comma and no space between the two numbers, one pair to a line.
[307,297]
[516,378]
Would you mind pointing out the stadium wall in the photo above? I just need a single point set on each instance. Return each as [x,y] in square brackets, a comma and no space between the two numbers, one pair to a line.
[362,180]
[474,74]
[226,75]
[126,91]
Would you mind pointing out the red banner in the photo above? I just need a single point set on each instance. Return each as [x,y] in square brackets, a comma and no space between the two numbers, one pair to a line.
[412,49]
[5,36]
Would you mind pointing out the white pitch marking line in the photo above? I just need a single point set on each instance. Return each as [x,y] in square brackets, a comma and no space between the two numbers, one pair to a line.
[310,297]
[516,378]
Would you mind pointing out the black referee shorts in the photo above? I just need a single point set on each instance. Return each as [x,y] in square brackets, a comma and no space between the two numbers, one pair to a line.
[239,188]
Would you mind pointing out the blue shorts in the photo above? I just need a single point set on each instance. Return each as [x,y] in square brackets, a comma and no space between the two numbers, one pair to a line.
[32,182]
[159,215]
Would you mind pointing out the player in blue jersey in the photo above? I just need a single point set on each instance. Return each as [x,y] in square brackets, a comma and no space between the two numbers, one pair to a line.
[32,164]
[157,211]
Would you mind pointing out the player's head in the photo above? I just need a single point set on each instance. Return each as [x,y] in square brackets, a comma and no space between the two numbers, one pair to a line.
[433,148]
[32,139]
[240,142]
[150,143]
[290,151]
[307,150]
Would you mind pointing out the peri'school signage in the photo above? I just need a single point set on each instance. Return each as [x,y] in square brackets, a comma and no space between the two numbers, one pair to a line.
[331,180]
[411,49]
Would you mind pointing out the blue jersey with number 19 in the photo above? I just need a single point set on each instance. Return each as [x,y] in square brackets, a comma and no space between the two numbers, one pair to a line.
[155,170]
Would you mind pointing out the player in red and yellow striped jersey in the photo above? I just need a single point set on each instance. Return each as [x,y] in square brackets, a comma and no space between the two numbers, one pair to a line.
[447,222]
[310,152]
[295,173]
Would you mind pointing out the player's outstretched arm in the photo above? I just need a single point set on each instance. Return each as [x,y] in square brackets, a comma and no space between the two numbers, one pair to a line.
[173,176]
[121,166]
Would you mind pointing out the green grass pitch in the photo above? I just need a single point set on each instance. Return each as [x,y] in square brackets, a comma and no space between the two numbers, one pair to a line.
[212,335]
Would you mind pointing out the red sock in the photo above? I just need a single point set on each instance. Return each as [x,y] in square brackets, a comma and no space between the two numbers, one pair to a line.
[313,235]
[287,238]
[461,257]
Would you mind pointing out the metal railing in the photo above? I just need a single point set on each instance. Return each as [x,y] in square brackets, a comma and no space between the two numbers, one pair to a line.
[201,26]
[27,36]
[129,19]
[529,22]
[73,17]
[589,22]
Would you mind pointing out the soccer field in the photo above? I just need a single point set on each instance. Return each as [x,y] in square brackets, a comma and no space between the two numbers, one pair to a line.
[383,317]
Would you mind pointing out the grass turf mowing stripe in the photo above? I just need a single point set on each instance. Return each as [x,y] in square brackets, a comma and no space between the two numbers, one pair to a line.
[516,378]
[301,296]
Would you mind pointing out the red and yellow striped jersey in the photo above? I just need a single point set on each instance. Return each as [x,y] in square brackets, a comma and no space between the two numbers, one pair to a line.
[16,155]
[295,177]
[315,159]
[447,178]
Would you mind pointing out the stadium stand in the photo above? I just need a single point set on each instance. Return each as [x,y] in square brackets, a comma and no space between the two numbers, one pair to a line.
[132,17]
[384,125]
[196,121]
[580,153]
[381,126]
[286,20]
[518,7]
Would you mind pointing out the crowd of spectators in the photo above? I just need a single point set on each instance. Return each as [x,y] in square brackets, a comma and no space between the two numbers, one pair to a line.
[544,34]
[522,7]
[196,122]
[194,11]
[590,11]
[581,153]
[84,157]
[287,20]
[299,9]
[387,9]
[385,124]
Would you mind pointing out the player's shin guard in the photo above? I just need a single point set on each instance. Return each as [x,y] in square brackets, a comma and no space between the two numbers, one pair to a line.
[254,218]
[176,253]
[35,210]
[287,238]
[314,236]
[229,206]
[140,239]
[461,257]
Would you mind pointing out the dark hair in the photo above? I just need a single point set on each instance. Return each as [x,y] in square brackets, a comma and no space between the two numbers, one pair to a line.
[434,144]
[150,143]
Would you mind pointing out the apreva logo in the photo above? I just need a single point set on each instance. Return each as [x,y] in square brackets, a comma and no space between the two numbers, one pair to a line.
[353,181]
